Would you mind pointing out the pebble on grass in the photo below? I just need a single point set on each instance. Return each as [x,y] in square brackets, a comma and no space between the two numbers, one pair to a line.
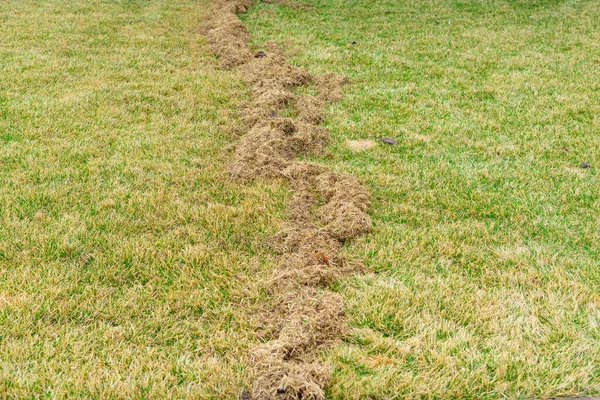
[388,140]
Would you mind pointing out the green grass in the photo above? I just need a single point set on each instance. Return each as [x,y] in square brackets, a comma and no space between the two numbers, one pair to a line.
[485,250]
[129,260]
[128,257]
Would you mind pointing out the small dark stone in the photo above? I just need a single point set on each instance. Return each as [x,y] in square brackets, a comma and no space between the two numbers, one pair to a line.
[272,114]
[388,140]
[585,165]
[260,54]
[352,42]
[281,390]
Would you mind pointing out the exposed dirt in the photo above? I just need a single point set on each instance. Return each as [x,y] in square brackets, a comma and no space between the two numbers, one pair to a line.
[327,208]
[360,145]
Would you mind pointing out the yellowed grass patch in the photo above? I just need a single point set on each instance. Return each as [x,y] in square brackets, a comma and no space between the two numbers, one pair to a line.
[360,145]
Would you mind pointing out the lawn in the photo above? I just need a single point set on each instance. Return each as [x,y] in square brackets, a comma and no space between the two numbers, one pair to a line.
[128,257]
[131,264]
[484,258]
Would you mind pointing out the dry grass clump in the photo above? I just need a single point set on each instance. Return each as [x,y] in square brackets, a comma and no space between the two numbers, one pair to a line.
[227,36]
[294,380]
[330,86]
[305,319]
[273,68]
[310,257]
[309,109]
[326,208]
[271,145]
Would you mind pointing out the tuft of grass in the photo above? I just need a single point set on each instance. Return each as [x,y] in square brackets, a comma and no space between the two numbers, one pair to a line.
[485,250]
[128,258]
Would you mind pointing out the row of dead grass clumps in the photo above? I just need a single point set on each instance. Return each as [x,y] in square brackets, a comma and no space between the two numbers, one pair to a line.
[327,208]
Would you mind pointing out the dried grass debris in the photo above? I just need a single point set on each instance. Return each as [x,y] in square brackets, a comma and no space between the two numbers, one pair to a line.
[226,34]
[326,208]
[309,109]
[330,86]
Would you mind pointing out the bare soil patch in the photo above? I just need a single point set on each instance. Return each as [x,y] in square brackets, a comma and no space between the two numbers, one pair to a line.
[360,145]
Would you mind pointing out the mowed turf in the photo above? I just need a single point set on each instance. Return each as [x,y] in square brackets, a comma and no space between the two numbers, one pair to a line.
[128,258]
[484,255]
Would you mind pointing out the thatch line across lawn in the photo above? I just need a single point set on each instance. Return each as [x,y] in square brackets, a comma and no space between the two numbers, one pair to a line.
[326,208]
